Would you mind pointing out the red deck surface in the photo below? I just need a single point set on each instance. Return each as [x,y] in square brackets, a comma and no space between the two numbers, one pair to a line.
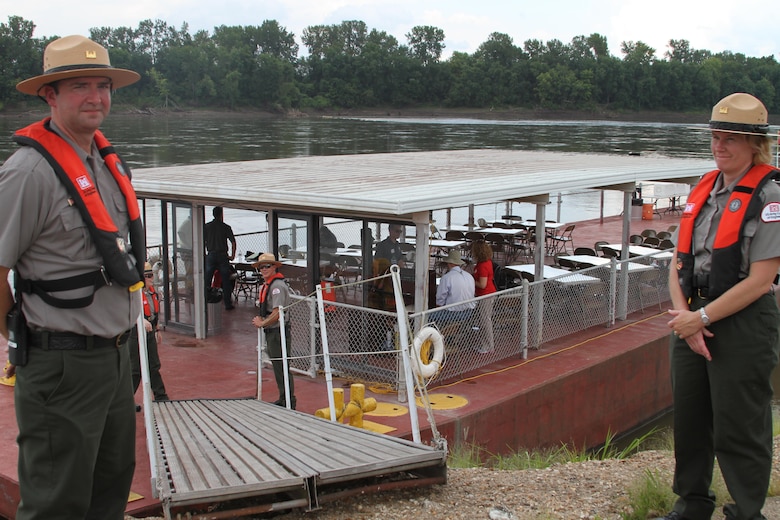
[578,389]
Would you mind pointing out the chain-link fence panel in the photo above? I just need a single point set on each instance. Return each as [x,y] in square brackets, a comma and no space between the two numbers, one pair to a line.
[251,243]
[364,345]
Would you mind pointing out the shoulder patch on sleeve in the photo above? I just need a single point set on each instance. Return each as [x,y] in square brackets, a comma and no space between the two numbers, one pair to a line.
[275,291]
[771,212]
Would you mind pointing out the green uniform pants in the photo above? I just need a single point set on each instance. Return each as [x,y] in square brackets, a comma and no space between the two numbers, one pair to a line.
[153,355]
[76,419]
[273,342]
[722,408]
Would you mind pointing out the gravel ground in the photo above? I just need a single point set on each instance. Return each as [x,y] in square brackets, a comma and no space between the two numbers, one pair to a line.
[586,490]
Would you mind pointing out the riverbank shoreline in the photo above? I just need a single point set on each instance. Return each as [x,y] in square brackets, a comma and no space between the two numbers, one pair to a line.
[500,114]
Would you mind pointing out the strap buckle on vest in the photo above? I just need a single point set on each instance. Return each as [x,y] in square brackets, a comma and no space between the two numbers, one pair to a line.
[104,273]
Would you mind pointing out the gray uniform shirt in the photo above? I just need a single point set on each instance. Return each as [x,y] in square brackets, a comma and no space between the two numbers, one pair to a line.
[278,296]
[43,237]
[761,239]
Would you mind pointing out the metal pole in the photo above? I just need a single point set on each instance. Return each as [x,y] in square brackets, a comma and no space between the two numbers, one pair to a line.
[326,353]
[403,333]
[285,361]
[151,436]
[260,349]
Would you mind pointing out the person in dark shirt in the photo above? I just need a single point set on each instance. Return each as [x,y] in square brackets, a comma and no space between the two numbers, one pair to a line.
[390,248]
[216,236]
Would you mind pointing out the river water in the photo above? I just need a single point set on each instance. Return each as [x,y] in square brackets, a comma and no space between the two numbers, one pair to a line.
[150,141]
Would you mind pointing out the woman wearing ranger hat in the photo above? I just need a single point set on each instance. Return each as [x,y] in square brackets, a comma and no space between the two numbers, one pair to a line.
[725,319]
[70,229]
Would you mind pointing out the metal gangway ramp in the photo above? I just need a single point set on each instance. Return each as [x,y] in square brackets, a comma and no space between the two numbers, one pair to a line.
[251,456]
[222,450]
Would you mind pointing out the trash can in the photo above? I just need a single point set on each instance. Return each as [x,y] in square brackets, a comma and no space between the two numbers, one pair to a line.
[214,317]
[647,211]
[636,209]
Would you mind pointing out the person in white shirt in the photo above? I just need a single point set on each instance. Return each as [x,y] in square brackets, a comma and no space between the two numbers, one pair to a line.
[454,287]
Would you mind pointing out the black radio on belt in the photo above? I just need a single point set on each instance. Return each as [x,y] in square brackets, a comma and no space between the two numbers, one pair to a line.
[17,336]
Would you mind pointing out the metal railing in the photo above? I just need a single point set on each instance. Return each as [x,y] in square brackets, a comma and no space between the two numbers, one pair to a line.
[364,342]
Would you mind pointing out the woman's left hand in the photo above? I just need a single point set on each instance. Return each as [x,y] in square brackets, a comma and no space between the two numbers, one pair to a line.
[687,325]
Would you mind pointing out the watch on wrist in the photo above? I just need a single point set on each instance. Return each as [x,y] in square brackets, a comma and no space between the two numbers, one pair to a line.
[704,318]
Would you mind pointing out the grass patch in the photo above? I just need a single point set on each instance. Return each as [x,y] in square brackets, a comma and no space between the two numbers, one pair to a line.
[474,456]
[651,496]
[465,456]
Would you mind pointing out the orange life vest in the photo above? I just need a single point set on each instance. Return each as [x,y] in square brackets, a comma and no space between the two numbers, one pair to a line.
[155,304]
[262,300]
[121,265]
[743,205]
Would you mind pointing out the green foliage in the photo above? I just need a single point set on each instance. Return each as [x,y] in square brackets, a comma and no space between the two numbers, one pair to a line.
[351,65]
[465,456]
[652,496]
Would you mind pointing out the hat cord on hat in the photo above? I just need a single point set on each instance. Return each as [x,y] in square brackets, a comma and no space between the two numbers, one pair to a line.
[738,127]
[78,66]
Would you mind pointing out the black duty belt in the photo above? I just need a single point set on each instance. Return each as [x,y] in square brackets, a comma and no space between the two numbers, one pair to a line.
[49,340]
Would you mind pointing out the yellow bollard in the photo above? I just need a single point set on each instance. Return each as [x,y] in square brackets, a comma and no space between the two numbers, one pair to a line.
[338,400]
[358,405]
[354,410]
[5,380]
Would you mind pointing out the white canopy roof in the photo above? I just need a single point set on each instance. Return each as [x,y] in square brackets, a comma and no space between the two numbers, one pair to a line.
[400,184]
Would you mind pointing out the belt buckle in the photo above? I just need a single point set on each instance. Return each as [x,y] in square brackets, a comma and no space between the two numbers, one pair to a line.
[120,337]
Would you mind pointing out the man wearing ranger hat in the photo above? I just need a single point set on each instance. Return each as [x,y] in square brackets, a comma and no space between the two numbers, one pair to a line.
[274,294]
[70,229]
[151,322]
[725,319]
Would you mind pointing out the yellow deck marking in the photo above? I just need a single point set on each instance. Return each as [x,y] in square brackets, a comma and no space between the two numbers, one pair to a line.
[445,401]
[376,427]
[388,410]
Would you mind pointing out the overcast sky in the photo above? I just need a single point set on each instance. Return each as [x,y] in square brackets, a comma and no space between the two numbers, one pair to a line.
[748,27]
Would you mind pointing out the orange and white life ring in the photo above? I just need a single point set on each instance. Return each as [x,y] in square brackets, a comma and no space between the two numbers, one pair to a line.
[428,352]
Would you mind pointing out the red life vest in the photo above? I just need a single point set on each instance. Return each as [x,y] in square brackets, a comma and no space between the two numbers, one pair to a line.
[264,310]
[743,205]
[155,305]
[120,265]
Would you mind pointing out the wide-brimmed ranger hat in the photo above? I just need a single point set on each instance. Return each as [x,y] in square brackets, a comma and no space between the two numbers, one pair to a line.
[740,113]
[73,57]
[266,258]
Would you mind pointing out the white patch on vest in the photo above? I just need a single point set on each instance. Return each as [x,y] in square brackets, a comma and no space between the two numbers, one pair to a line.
[84,182]
[734,205]
[689,207]
[771,212]
[275,291]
